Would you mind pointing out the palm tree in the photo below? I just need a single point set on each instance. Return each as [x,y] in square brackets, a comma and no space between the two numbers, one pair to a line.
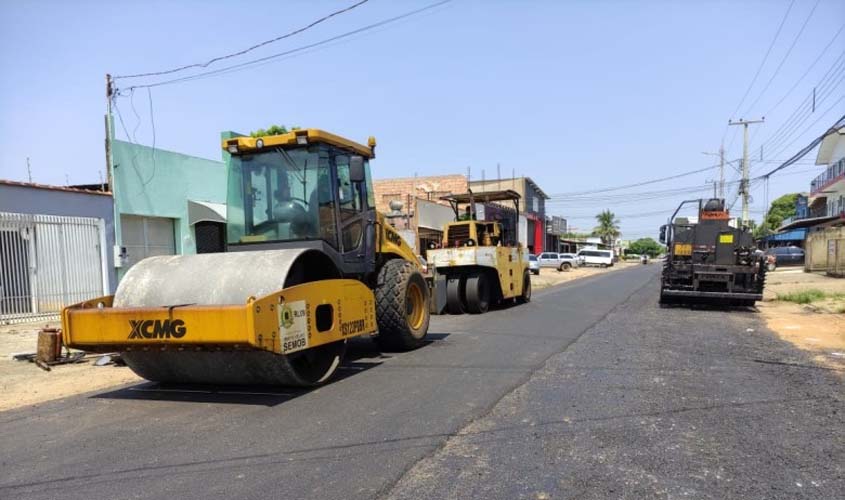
[608,228]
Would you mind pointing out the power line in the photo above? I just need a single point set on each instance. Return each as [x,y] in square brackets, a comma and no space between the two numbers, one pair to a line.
[760,67]
[248,49]
[813,65]
[821,91]
[828,110]
[627,186]
[785,57]
[806,149]
[636,197]
[265,59]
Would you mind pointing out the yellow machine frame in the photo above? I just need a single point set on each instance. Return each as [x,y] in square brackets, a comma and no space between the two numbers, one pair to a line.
[301,136]
[263,323]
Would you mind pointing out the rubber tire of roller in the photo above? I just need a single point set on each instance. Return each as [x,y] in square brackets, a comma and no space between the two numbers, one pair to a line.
[478,293]
[395,332]
[525,296]
[455,286]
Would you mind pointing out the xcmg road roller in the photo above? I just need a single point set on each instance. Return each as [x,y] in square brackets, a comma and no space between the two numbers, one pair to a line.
[308,264]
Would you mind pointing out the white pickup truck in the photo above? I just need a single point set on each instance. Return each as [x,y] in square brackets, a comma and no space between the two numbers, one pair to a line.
[559,261]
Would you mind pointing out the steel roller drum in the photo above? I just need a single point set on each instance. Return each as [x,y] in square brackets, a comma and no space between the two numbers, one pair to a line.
[222,279]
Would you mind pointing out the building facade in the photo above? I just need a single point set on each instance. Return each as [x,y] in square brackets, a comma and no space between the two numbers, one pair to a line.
[166,203]
[413,206]
[55,248]
[827,190]
[532,206]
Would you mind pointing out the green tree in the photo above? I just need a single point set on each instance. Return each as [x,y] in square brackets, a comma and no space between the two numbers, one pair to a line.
[272,130]
[646,246]
[782,208]
[608,228]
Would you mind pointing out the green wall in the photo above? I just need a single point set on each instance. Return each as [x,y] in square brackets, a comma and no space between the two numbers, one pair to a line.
[159,183]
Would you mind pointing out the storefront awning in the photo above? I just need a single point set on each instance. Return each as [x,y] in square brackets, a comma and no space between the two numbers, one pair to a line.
[793,235]
[206,211]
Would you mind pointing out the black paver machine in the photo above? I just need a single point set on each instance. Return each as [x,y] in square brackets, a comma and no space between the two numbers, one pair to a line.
[710,262]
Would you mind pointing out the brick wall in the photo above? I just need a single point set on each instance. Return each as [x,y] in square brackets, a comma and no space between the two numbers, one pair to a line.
[427,188]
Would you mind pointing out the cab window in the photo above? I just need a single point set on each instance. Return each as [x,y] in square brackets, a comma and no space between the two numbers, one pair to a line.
[351,201]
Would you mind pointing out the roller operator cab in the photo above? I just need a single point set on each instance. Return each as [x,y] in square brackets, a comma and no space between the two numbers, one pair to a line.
[710,261]
[309,263]
[479,262]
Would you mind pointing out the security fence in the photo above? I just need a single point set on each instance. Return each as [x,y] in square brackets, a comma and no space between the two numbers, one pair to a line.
[48,262]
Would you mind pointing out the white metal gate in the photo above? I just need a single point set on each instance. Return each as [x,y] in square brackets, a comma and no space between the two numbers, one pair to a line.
[48,262]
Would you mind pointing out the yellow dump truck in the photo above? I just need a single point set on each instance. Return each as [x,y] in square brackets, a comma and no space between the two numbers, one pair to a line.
[479,262]
[309,264]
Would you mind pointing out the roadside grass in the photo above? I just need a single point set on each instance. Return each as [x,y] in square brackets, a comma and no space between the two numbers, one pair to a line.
[809,296]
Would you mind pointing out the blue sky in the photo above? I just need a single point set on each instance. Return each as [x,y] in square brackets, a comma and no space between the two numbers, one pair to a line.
[578,95]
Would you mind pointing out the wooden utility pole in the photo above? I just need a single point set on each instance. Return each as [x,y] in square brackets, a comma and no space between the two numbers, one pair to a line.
[743,185]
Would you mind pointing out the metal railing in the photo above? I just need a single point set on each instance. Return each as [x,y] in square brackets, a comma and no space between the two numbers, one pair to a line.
[834,171]
[48,262]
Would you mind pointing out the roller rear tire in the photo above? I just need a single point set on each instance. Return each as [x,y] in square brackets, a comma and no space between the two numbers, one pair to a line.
[478,294]
[401,307]
[455,298]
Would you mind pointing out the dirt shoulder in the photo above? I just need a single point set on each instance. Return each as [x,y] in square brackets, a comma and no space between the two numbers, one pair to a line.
[551,277]
[23,383]
[818,324]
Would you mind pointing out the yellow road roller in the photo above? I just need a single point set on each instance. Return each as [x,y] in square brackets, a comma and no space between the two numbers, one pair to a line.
[309,263]
[479,262]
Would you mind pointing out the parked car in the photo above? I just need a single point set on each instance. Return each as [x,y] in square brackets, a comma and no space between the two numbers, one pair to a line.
[785,256]
[533,264]
[579,261]
[559,261]
[603,258]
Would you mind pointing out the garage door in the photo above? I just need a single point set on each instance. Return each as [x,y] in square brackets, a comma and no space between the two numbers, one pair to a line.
[146,236]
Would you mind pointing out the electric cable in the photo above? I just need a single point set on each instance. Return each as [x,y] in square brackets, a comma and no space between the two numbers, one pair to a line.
[290,52]
[643,183]
[784,58]
[248,49]
[756,75]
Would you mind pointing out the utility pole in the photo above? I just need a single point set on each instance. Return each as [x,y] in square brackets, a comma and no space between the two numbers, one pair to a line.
[743,185]
[28,170]
[109,97]
[722,171]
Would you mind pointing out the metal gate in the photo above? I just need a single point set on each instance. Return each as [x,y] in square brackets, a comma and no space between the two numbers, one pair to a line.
[48,262]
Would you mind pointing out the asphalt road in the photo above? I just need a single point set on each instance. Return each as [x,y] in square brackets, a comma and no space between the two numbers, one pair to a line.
[589,391]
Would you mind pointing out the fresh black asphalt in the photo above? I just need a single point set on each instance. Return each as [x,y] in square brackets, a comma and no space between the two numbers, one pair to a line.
[589,391]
